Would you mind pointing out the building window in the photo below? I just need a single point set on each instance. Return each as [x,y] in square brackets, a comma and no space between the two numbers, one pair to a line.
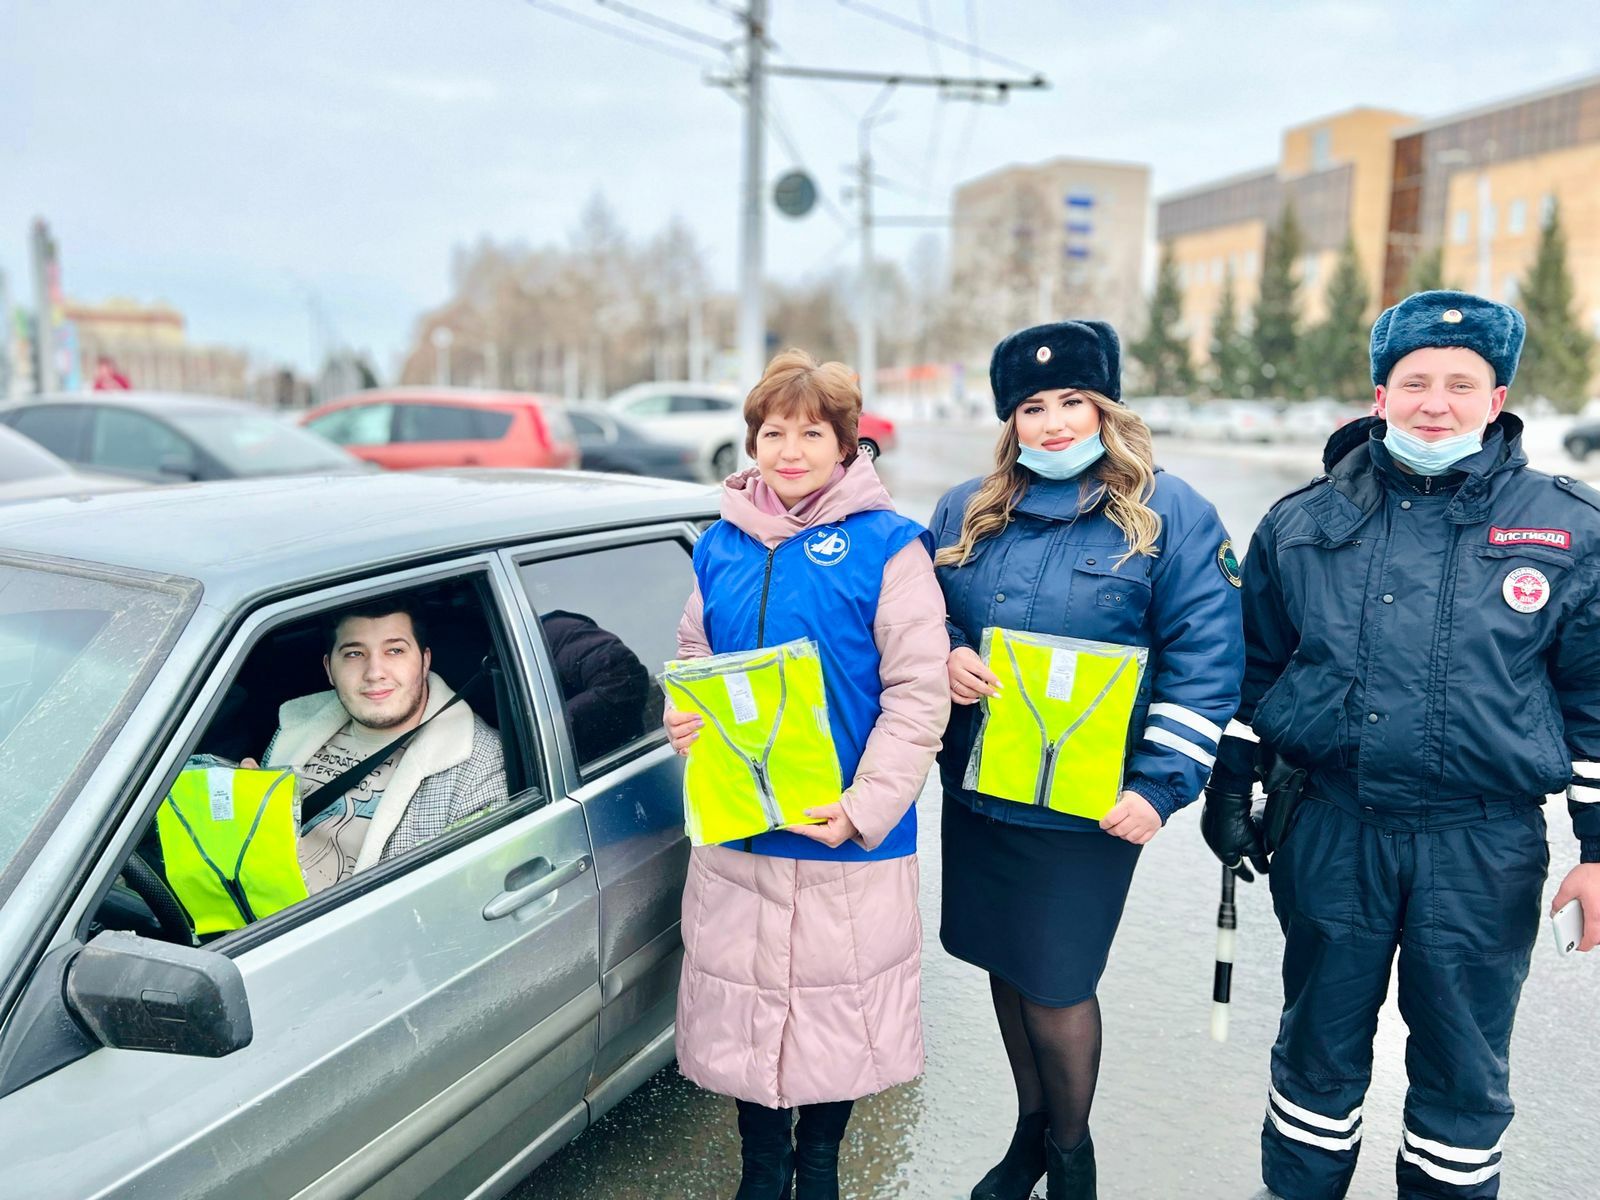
[1308,268]
[1510,289]
[1461,226]
[1491,218]
[1251,264]
[1547,205]
[1079,200]
[1517,217]
[1321,149]
[1216,269]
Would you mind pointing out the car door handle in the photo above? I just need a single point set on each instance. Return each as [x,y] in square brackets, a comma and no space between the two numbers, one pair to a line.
[510,900]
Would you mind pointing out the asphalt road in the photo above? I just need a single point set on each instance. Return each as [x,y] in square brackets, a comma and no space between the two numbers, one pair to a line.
[1178,1116]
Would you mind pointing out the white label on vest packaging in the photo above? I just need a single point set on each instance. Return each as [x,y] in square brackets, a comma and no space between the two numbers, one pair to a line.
[1063,670]
[741,697]
[219,784]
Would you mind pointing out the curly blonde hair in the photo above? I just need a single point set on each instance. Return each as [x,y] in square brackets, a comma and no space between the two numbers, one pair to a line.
[1125,479]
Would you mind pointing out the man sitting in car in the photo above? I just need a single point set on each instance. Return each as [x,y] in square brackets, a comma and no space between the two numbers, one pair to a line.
[451,769]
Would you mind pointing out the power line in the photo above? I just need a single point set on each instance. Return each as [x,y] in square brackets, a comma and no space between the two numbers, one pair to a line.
[619,32]
[662,23]
[933,35]
[927,35]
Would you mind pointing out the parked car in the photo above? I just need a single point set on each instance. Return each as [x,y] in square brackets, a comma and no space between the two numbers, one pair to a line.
[408,428]
[433,1026]
[167,438]
[1582,440]
[28,472]
[707,418]
[607,442]
[876,435]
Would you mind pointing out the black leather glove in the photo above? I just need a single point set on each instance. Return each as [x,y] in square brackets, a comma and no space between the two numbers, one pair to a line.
[1233,832]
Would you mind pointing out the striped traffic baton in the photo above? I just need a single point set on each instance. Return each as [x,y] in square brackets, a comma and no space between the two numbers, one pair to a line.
[1222,976]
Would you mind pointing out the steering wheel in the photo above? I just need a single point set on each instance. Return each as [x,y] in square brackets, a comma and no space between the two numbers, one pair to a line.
[146,883]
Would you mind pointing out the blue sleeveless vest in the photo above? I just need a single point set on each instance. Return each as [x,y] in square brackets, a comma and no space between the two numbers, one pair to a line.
[821,584]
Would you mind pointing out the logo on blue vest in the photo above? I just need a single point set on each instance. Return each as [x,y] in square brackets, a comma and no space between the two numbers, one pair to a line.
[828,546]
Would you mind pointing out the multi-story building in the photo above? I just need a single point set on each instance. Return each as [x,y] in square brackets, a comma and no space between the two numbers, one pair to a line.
[1480,183]
[1336,172]
[1475,185]
[1048,241]
[149,344]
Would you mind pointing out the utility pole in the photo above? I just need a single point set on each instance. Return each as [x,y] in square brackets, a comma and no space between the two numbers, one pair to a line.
[752,313]
[867,301]
[46,291]
[752,244]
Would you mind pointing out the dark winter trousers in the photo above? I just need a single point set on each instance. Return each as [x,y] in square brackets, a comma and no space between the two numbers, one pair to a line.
[1457,893]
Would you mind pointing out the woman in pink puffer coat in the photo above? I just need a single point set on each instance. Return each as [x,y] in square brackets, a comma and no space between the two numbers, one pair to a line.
[801,974]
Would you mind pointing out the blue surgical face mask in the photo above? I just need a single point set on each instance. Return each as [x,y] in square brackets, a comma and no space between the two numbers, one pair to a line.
[1063,464]
[1431,458]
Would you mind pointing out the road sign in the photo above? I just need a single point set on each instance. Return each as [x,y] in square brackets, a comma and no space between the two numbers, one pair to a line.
[794,194]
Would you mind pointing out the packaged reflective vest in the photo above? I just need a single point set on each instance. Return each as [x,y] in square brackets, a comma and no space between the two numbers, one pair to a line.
[230,843]
[765,753]
[1056,735]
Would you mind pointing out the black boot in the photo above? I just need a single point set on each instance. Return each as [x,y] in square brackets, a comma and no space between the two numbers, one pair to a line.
[1013,1177]
[1072,1174]
[817,1135]
[766,1152]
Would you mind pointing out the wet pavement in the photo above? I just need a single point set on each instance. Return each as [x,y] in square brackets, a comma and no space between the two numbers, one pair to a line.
[1177,1116]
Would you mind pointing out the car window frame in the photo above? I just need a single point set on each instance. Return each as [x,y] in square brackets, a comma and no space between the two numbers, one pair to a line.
[238,644]
[198,459]
[81,413]
[471,423]
[349,411]
[653,741]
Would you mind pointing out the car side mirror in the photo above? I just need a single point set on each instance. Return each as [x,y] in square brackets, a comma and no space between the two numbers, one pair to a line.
[133,993]
[178,466]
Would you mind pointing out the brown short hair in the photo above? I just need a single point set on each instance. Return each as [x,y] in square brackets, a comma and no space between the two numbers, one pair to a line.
[797,385]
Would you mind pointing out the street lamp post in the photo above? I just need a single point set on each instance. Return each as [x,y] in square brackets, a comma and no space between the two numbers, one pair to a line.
[442,337]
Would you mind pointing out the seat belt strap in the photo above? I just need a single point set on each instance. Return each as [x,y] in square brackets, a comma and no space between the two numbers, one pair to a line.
[334,790]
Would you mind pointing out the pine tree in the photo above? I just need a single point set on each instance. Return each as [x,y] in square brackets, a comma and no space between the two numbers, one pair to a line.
[1275,332]
[1232,369]
[1335,359]
[1163,350]
[1558,355]
[1426,273]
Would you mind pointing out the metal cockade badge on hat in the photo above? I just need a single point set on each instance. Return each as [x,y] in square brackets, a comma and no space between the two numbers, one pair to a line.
[1526,590]
[1451,316]
[1042,354]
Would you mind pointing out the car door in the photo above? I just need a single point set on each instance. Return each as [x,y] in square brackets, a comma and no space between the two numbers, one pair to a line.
[425,1028]
[125,442]
[62,429]
[601,647]
[434,435]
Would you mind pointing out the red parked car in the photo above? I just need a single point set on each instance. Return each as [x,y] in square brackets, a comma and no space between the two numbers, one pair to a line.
[407,428]
[876,435]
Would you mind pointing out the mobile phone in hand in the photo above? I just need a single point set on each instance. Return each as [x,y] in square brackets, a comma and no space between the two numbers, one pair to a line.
[1567,925]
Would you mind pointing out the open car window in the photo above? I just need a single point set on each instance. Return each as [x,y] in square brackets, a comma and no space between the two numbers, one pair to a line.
[297,790]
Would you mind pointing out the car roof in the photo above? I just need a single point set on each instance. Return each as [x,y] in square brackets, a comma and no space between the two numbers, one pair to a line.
[421,394]
[158,402]
[244,538]
[724,391]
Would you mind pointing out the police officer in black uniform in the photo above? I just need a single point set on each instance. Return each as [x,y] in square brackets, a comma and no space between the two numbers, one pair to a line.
[1422,632]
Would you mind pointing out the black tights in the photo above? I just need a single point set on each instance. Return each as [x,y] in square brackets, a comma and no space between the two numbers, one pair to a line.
[1055,1058]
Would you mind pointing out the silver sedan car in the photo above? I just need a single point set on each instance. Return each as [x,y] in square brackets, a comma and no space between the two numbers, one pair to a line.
[434,1025]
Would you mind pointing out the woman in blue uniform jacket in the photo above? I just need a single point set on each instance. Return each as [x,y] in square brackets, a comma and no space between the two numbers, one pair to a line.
[1074,533]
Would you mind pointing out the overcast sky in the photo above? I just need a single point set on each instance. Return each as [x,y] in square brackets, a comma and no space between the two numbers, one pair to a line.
[244,158]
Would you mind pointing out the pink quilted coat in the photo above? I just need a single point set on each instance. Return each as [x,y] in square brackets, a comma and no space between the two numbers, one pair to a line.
[802,979]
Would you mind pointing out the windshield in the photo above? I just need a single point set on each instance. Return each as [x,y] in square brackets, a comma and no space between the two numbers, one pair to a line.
[77,648]
[251,444]
[23,459]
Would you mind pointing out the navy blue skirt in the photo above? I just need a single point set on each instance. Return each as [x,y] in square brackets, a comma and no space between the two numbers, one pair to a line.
[1036,907]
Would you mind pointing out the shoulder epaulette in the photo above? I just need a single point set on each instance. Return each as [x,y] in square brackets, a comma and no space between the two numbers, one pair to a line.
[1579,490]
[1304,487]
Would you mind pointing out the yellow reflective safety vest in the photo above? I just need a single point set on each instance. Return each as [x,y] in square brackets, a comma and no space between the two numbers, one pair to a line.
[1056,735]
[765,753]
[230,844]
